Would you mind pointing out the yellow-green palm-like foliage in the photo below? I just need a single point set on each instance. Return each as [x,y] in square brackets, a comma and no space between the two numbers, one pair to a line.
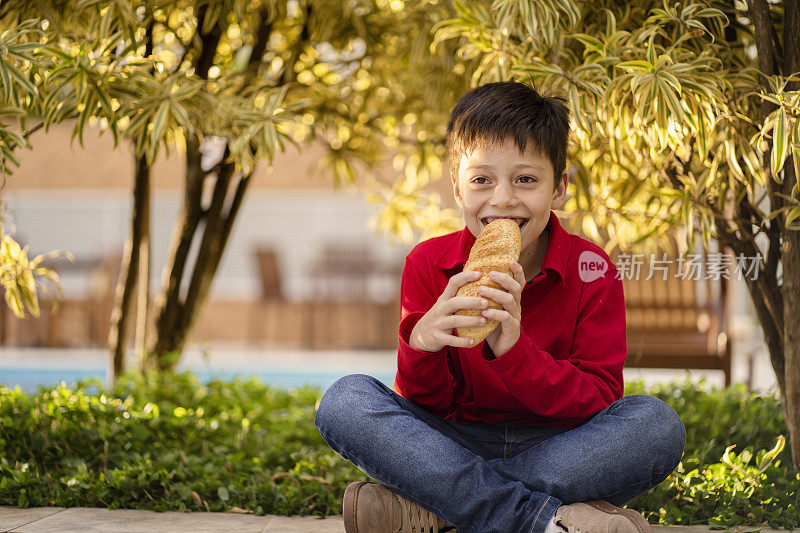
[356,77]
[22,278]
[665,105]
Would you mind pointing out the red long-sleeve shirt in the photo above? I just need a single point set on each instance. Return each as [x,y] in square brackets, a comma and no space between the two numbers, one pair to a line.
[566,365]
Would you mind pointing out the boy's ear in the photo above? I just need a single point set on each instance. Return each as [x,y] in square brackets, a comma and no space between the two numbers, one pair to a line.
[560,193]
[456,190]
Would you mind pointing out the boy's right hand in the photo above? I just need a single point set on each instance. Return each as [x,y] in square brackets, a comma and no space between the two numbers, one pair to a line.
[434,330]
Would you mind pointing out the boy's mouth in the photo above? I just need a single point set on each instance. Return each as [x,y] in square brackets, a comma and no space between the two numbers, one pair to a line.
[519,220]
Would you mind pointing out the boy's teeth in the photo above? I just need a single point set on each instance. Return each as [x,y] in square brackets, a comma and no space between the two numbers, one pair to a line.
[520,221]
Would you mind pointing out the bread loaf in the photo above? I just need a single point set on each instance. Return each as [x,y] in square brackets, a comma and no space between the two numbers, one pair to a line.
[498,243]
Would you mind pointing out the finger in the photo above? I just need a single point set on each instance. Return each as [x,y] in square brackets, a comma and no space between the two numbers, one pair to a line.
[505,318]
[518,272]
[458,342]
[509,283]
[458,280]
[465,302]
[461,321]
[502,297]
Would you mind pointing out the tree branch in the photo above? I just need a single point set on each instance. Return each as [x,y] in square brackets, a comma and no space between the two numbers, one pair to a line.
[762,23]
[170,305]
[262,39]
[768,293]
[768,65]
[208,44]
[287,75]
[765,287]
[669,171]
[774,251]
[750,214]
[791,39]
[13,145]
[210,242]
[233,211]
[791,61]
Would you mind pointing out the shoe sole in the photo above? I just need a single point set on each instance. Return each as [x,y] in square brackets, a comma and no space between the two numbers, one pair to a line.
[349,506]
[637,519]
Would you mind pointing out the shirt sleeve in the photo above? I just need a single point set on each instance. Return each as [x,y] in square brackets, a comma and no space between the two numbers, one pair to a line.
[422,377]
[590,378]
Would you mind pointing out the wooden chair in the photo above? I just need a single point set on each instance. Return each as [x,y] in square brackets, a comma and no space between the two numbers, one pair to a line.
[677,321]
[265,321]
[342,272]
[344,312]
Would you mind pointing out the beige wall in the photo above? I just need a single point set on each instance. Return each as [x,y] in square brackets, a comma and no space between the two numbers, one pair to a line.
[56,163]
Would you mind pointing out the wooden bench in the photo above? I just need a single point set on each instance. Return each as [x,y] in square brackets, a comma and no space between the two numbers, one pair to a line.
[676,321]
[339,312]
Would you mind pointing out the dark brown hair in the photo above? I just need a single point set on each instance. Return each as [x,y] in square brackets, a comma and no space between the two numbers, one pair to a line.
[498,111]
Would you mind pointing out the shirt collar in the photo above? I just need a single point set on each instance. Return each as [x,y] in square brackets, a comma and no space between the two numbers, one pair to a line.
[555,257]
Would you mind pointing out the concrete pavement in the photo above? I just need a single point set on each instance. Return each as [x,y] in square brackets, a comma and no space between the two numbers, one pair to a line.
[96,520]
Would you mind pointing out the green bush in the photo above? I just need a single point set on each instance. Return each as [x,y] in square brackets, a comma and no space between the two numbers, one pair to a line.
[168,443]
[171,443]
[736,469]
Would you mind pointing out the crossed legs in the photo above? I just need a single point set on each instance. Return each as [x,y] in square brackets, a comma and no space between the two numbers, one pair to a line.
[621,452]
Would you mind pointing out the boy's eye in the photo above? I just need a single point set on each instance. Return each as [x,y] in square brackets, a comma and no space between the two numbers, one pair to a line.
[477,179]
[528,179]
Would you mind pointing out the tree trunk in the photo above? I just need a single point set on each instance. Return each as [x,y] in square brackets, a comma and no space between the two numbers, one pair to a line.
[169,305]
[118,335]
[177,312]
[791,338]
[770,62]
[790,251]
[143,303]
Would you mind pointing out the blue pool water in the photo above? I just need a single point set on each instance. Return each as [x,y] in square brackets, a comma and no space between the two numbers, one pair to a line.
[29,379]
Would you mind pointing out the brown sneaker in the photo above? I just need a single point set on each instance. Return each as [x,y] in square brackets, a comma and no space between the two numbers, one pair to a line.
[599,516]
[372,508]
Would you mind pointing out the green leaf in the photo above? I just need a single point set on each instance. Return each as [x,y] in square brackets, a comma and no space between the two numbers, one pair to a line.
[672,101]
[733,162]
[102,95]
[700,130]
[776,212]
[14,302]
[181,116]
[590,42]
[792,216]
[796,163]
[772,454]
[212,15]
[652,57]
[5,78]
[23,80]
[160,122]
[780,143]
[637,64]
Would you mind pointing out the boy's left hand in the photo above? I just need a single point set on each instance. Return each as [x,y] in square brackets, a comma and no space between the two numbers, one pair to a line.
[506,334]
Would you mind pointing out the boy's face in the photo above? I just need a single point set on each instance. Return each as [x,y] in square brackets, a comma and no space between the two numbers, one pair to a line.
[499,181]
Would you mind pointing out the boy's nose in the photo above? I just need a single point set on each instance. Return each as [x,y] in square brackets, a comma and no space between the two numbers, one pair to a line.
[503,195]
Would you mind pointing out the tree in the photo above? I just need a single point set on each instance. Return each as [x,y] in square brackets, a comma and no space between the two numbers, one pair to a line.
[685,113]
[22,279]
[234,80]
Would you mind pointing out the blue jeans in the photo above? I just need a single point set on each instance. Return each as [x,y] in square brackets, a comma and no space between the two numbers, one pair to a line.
[502,477]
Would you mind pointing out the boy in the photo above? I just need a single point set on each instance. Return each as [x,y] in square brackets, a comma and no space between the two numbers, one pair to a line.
[528,430]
